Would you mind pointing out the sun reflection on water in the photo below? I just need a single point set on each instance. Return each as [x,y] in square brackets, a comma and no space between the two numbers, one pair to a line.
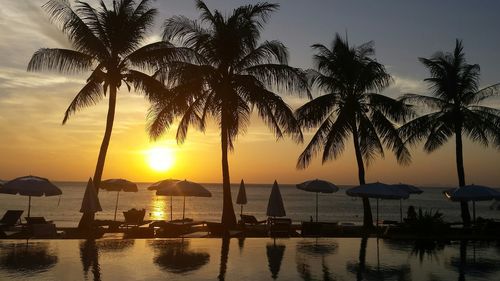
[158,208]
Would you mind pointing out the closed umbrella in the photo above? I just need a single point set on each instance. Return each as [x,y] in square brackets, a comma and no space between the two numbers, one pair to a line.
[118,185]
[472,193]
[275,206]
[318,186]
[30,186]
[408,188]
[378,191]
[90,202]
[242,196]
[183,188]
[275,255]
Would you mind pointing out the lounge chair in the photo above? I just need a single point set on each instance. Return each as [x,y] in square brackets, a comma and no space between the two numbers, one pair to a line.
[134,217]
[280,227]
[170,230]
[44,230]
[250,220]
[11,218]
[37,220]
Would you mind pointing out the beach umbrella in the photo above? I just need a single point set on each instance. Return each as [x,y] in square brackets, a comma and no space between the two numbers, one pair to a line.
[318,186]
[274,258]
[28,258]
[378,191]
[472,193]
[159,184]
[30,186]
[408,188]
[183,188]
[242,196]
[118,185]
[275,206]
[90,202]
[176,257]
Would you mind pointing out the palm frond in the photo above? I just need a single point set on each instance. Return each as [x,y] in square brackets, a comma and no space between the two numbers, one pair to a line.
[89,95]
[314,146]
[61,60]
[81,36]
[314,112]
[282,76]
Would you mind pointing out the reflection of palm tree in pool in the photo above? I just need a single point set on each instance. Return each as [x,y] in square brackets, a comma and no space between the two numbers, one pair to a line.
[224,253]
[29,257]
[89,255]
[174,256]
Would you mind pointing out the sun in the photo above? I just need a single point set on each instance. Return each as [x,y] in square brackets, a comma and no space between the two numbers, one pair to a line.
[160,159]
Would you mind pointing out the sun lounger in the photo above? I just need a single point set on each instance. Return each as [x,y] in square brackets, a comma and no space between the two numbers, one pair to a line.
[44,230]
[280,227]
[320,229]
[36,220]
[250,220]
[11,218]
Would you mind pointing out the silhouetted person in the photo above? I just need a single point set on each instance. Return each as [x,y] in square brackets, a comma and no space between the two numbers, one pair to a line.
[411,214]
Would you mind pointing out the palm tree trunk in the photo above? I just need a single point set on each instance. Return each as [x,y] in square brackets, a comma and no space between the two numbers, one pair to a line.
[464,206]
[228,216]
[87,218]
[367,211]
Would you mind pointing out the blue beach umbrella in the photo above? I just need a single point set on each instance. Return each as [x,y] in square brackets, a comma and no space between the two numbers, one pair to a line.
[472,193]
[317,186]
[30,186]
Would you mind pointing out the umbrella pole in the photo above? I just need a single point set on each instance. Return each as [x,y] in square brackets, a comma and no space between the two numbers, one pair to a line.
[400,211]
[316,206]
[29,206]
[474,211]
[377,214]
[241,211]
[116,204]
[171,202]
[183,209]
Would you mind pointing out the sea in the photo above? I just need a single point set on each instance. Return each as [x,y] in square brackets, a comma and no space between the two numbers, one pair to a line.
[300,205]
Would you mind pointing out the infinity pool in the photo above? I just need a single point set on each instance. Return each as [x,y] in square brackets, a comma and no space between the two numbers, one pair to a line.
[247,259]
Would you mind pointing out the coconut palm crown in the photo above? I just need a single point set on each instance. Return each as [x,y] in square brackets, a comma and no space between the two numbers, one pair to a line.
[232,75]
[351,107]
[457,109]
[106,43]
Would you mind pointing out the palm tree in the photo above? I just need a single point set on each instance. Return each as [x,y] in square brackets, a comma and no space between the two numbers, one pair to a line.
[455,101]
[351,107]
[233,75]
[106,43]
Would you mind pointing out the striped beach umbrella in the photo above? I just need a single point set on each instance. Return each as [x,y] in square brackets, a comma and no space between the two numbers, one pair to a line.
[118,185]
[241,199]
[275,206]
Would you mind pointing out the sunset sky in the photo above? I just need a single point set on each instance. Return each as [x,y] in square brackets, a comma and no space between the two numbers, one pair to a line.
[33,141]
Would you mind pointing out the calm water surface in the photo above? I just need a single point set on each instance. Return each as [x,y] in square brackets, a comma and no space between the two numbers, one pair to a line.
[247,259]
[300,205]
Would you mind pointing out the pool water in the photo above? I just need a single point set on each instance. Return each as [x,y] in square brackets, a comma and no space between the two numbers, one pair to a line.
[248,259]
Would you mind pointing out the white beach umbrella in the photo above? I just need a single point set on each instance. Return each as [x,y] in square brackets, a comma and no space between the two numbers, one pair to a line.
[30,186]
[407,188]
[318,186]
[242,196]
[118,185]
[275,206]
[378,191]
[90,202]
[159,184]
[183,188]
[472,193]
